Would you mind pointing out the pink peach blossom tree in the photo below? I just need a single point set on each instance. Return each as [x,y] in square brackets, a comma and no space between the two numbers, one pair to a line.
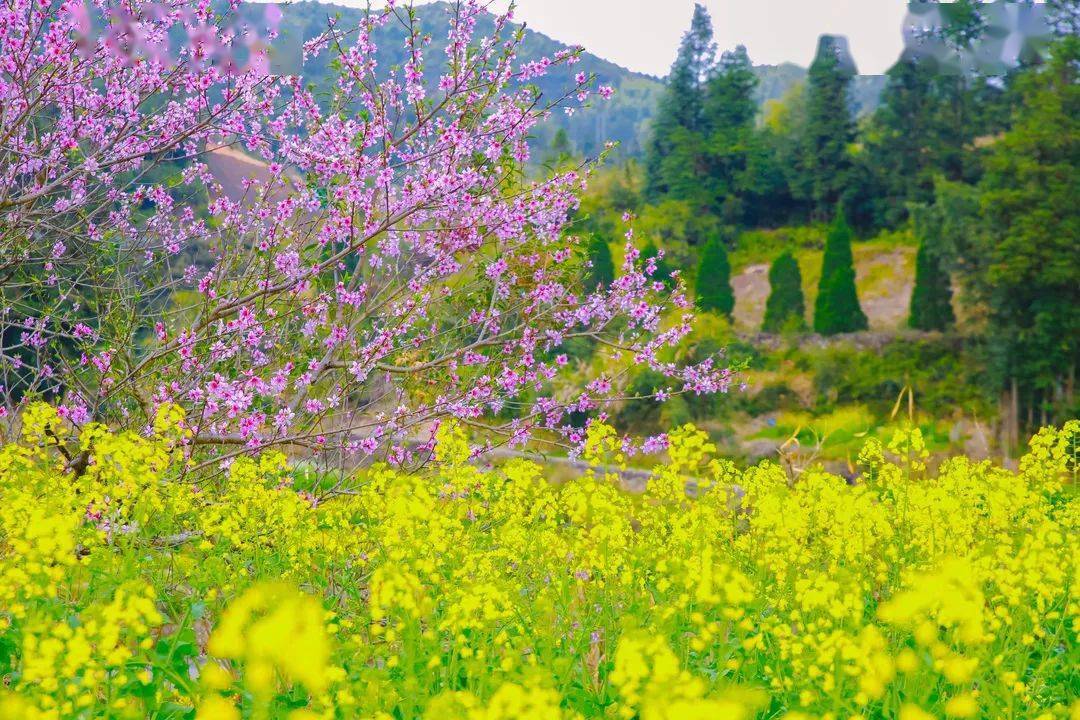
[389,265]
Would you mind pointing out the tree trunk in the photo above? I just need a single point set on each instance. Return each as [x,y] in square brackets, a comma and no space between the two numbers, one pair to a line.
[1010,418]
[1014,410]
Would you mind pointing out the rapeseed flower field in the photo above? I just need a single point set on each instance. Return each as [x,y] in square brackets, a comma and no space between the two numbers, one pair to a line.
[495,594]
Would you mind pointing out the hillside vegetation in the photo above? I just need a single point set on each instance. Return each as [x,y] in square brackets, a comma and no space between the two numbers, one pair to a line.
[943,218]
[624,119]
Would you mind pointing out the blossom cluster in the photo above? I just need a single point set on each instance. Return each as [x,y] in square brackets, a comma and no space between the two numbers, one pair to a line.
[389,262]
[486,594]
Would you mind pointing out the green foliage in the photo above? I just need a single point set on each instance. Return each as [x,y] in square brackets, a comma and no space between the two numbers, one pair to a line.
[714,291]
[562,150]
[705,150]
[923,130]
[759,245]
[1015,239]
[613,190]
[931,299]
[602,268]
[810,385]
[785,309]
[679,228]
[729,102]
[733,157]
[837,307]
[945,374]
[829,129]
[677,125]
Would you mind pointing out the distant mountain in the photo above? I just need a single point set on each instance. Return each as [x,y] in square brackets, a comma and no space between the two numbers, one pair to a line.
[775,80]
[624,118]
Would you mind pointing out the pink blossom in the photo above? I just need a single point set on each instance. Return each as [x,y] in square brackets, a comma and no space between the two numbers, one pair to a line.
[378,276]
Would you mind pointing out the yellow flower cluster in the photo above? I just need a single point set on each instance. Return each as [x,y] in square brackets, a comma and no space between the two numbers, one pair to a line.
[66,662]
[132,589]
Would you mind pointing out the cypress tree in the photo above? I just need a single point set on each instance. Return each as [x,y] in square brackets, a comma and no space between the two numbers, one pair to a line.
[602,271]
[714,291]
[931,299]
[785,307]
[837,308]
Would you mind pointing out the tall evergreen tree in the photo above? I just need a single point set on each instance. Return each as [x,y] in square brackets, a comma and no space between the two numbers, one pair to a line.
[729,101]
[785,307]
[931,299]
[829,129]
[898,139]
[714,291]
[602,270]
[1018,247]
[921,130]
[728,113]
[678,118]
[837,307]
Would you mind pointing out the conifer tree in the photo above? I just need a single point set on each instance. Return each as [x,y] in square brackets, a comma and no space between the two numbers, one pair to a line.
[729,102]
[678,118]
[837,308]
[728,112]
[602,271]
[829,128]
[785,307]
[714,291]
[931,299]
[899,148]
[919,132]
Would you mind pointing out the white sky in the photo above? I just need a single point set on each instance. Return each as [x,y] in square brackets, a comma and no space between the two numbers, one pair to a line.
[644,34]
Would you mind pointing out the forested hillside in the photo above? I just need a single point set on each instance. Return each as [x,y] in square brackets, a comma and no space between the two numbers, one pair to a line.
[943,221]
[623,119]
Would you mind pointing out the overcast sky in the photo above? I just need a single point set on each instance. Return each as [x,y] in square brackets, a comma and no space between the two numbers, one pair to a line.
[644,34]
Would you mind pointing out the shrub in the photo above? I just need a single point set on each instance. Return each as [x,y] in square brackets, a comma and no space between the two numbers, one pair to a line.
[837,307]
[931,298]
[714,291]
[785,310]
